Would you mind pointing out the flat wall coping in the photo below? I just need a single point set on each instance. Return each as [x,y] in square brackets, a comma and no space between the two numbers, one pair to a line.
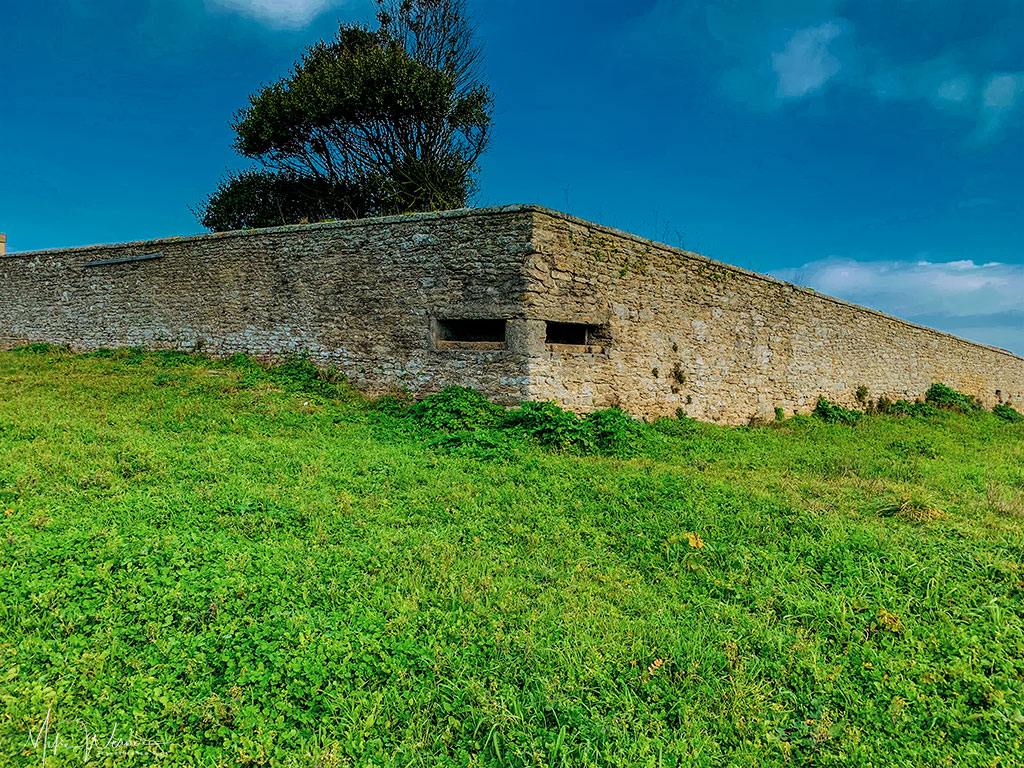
[500,210]
[325,226]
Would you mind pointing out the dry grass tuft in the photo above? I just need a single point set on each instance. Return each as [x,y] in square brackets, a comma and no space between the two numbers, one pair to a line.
[1006,502]
[911,508]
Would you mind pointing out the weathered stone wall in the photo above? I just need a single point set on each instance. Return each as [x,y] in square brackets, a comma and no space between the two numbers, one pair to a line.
[670,329]
[362,296]
[722,343]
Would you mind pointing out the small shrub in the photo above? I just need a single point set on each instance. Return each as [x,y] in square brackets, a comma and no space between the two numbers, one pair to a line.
[612,432]
[679,427]
[906,408]
[950,399]
[252,372]
[298,374]
[1008,414]
[391,405]
[455,409]
[135,355]
[549,425]
[102,352]
[241,361]
[37,349]
[780,415]
[831,413]
[862,395]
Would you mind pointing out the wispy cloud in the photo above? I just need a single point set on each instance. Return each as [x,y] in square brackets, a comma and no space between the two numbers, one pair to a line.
[991,100]
[806,63]
[279,14]
[773,53]
[984,302]
[999,100]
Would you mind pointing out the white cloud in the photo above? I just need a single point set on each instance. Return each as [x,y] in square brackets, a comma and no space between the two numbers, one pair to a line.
[988,99]
[984,302]
[955,90]
[770,53]
[999,99]
[279,14]
[806,63]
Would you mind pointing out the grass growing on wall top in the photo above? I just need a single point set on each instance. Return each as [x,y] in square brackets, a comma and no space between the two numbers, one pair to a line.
[258,567]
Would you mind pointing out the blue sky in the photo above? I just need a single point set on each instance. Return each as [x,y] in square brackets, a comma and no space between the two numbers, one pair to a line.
[870,149]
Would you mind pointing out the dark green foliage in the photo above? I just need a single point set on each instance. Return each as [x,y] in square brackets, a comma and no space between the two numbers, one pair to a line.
[613,433]
[905,408]
[382,121]
[297,373]
[102,352]
[37,349]
[680,426]
[780,414]
[456,409]
[608,433]
[1008,413]
[391,405]
[480,444]
[549,425]
[950,399]
[831,413]
[259,198]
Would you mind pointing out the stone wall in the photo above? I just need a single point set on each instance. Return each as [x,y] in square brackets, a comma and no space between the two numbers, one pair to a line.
[665,329]
[362,296]
[722,343]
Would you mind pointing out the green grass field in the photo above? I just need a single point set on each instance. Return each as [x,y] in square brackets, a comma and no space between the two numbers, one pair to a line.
[256,568]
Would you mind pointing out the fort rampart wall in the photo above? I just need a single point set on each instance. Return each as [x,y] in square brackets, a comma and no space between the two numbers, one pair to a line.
[519,302]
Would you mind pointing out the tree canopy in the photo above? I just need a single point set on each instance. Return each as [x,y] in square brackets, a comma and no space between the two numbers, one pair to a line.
[375,121]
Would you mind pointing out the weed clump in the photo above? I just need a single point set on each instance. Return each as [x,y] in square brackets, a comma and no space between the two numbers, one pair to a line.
[950,399]
[455,409]
[390,405]
[831,413]
[612,432]
[901,408]
[1009,414]
[550,426]
[298,374]
[680,426]
[37,349]
[609,432]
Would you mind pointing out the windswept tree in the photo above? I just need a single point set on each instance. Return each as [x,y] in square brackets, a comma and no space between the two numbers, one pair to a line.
[383,121]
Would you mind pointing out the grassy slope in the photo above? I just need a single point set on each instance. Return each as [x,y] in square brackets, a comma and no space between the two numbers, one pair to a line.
[254,575]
